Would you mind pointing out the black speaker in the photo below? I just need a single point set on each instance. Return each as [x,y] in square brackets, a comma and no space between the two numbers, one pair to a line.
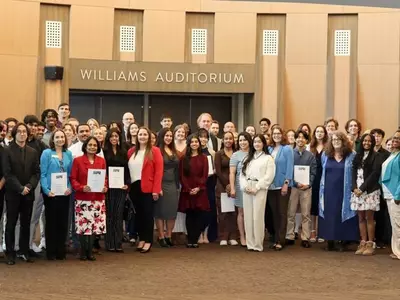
[53,72]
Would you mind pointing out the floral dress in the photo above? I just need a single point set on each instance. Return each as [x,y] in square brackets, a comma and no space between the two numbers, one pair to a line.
[90,217]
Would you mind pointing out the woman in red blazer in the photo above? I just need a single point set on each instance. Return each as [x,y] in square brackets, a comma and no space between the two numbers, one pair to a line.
[146,168]
[90,208]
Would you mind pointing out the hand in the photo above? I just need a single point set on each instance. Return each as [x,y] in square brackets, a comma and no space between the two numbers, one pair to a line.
[357,192]
[397,202]
[86,189]
[67,192]
[194,191]
[125,187]
[104,190]
[2,183]
[51,194]
[304,187]
[228,189]
[284,189]
[25,191]
[300,186]
[161,193]
[155,196]
[233,193]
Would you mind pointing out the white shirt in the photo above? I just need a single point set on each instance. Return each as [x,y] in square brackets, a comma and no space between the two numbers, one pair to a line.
[135,165]
[76,150]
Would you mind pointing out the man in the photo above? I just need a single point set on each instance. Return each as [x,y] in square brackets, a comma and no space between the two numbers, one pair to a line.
[214,130]
[229,127]
[74,122]
[204,121]
[40,131]
[38,208]
[22,174]
[264,125]
[63,114]
[166,121]
[2,190]
[379,135]
[49,117]
[11,122]
[301,191]
[3,132]
[127,119]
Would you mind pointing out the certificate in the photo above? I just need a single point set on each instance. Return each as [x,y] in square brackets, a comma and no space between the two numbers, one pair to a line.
[116,177]
[96,179]
[227,203]
[58,184]
[210,165]
[302,174]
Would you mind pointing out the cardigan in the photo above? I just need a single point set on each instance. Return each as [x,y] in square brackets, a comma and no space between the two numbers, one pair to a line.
[50,163]
[371,173]
[284,162]
[391,177]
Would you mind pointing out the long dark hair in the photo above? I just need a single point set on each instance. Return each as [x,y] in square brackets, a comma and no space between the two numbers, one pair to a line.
[314,141]
[188,154]
[233,144]
[148,153]
[359,161]
[108,148]
[247,137]
[161,143]
[252,151]
[129,136]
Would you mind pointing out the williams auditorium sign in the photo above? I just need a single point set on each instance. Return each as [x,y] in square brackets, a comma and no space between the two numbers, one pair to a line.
[161,77]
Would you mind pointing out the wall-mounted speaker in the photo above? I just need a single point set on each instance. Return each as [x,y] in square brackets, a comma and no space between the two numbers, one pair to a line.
[53,72]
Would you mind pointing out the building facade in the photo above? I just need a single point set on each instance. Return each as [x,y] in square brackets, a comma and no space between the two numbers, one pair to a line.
[289,62]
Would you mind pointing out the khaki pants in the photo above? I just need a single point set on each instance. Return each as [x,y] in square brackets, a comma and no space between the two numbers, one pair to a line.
[304,198]
[394,212]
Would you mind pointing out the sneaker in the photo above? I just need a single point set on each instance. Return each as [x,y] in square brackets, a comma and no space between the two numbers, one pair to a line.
[361,248]
[132,241]
[233,243]
[36,249]
[370,249]
[320,240]
[223,243]
[163,243]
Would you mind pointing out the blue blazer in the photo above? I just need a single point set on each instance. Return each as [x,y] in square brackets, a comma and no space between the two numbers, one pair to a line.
[49,163]
[284,163]
[391,177]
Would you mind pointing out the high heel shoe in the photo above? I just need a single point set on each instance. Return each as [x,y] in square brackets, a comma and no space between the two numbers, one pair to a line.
[146,250]
[138,248]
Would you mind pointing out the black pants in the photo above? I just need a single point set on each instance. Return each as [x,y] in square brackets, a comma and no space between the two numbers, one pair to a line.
[278,207]
[18,206]
[56,214]
[86,242]
[194,225]
[383,230]
[1,202]
[144,207]
[115,211]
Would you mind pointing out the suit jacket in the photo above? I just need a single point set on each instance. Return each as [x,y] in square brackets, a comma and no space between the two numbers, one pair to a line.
[372,171]
[152,171]
[18,174]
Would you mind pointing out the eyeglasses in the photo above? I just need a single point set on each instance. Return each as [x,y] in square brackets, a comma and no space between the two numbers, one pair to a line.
[336,140]
[396,138]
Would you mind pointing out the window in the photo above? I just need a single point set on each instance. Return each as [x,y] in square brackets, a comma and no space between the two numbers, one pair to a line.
[270,42]
[127,41]
[342,42]
[199,41]
[53,34]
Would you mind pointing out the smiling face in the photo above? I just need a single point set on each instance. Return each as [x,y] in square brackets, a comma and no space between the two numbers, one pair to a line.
[64,112]
[180,134]
[143,136]
[194,145]
[389,146]
[251,130]
[319,133]
[301,141]
[91,147]
[214,129]
[205,121]
[336,142]
[264,127]
[59,139]
[330,127]
[396,142]
[243,143]
[258,144]
[68,131]
[83,132]
[22,134]
[290,137]
[367,142]
[50,120]
[114,139]
[98,134]
[228,140]
[353,128]
[166,123]
[203,140]
[277,136]
[133,130]
[168,138]
[229,127]
[32,128]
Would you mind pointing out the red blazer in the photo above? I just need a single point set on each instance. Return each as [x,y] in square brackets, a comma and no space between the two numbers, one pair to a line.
[79,175]
[152,171]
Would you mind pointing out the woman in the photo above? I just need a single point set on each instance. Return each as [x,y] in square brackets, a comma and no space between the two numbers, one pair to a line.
[337,222]
[193,174]
[389,144]
[93,124]
[365,198]
[146,168]
[257,174]
[166,207]
[209,232]
[391,192]
[227,221]
[153,138]
[279,190]
[98,134]
[56,161]
[131,136]
[290,138]
[70,134]
[115,156]
[235,168]
[90,207]
[353,129]
[114,124]
[318,142]
[250,129]
[331,125]
[104,129]
[180,140]
[305,127]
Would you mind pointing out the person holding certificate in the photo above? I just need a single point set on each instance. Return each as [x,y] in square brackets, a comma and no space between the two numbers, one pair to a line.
[256,176]
[305,170]
[118,177]
[90,185]
[55,167]
[146,168]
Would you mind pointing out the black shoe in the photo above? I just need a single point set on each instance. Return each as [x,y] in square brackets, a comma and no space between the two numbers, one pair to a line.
[119,250]
[169,242]
[289,242]
[189,245]
[10,261]
[195,246]
[26,258]
[296,236]
[61,257]
[146,250]
[83,258]
[33,253]
[163,243]
[305,244]
[91,258]
[51,258]
[330,246]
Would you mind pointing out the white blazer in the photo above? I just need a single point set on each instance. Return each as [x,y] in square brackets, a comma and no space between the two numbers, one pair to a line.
[260,173]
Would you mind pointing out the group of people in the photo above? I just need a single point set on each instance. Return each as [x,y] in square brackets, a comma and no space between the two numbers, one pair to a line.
[336,186]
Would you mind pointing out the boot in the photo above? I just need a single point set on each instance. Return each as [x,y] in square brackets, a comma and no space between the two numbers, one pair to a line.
[370,249]
[89,250]
[83,242]
[361,248]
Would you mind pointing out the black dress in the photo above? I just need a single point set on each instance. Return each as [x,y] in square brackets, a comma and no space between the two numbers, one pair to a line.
[315,186]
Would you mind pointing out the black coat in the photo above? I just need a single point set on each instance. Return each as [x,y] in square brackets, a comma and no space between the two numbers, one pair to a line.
[372,171]
[19,174]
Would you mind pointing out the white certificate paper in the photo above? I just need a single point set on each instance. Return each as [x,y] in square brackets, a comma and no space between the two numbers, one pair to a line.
[116,177]
[302,174]
[227,203]
[58,183]
[210,165]
[96,180]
